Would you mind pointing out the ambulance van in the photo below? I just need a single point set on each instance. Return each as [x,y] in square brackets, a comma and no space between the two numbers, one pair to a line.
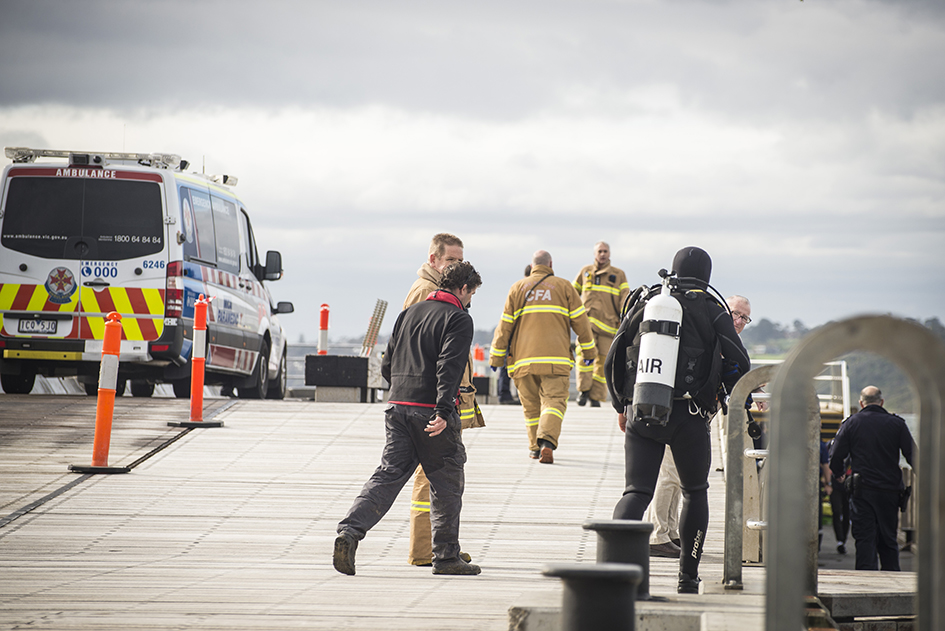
[86,234]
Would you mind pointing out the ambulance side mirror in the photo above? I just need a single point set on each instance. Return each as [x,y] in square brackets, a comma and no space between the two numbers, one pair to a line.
[273,269]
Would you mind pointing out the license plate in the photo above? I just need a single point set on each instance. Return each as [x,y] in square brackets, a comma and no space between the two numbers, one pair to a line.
[45,327]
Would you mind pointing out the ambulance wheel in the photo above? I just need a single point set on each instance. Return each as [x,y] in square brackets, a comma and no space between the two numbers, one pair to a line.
[18,384]
[91,388]
[260,387]
[277,385]
[141,388]
[181,388]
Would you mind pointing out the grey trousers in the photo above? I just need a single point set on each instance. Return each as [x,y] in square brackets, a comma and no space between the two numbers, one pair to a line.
[442,457]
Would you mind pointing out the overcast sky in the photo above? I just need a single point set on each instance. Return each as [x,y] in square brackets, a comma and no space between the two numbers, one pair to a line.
[801,143]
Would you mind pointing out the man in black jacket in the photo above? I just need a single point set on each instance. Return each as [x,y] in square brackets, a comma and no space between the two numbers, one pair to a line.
[424,363]
[873,439]
[687,430]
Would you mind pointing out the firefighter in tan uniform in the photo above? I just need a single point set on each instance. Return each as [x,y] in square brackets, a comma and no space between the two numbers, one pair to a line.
[444,249]
[534,340]
[603,288]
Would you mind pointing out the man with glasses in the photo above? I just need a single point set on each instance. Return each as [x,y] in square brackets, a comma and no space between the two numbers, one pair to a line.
[741,312]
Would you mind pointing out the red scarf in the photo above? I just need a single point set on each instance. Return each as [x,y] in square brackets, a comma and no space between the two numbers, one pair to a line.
[445,296]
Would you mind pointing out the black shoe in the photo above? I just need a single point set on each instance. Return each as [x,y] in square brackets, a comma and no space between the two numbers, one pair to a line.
[534,454]
[841,548]
[668,550]
[343,559]
[687,584]
[510,402]
[676,541]
[547,456]
[595,404]
[583,398]
[462,555]
[456,567]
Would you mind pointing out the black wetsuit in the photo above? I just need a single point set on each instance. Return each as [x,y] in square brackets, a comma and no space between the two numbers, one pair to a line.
[686,433]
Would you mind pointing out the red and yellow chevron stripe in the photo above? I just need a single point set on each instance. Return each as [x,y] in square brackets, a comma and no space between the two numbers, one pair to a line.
[142,310]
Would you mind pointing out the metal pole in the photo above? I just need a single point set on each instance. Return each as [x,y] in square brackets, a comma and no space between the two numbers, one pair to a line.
[921,355]
[734,478]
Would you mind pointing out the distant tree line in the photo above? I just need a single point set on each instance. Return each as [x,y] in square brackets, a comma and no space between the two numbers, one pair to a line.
[765,338]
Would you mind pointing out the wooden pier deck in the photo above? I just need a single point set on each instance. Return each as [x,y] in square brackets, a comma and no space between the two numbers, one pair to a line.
[232,527]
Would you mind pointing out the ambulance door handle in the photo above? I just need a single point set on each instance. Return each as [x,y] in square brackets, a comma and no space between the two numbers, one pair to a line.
[96,283]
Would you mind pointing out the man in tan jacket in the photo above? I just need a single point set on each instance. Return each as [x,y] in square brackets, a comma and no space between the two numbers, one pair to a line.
[534,340]
[444,249]
[603,288]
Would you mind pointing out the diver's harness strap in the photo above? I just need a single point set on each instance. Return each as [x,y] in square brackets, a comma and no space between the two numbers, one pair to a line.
[663,327]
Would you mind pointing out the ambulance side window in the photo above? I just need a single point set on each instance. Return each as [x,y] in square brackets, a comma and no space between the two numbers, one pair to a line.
[196,209]
[249,255]
[227,234]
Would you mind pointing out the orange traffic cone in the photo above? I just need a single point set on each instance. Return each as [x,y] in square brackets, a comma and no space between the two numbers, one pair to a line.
[105,406]
[198,361]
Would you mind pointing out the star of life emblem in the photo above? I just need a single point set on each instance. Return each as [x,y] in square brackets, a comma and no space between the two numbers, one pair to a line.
[60,285]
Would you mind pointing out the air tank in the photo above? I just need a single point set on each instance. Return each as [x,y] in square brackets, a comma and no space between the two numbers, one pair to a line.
[659,348]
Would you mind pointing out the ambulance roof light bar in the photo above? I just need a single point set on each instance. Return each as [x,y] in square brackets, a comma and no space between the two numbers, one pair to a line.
[26,155]
[228,180]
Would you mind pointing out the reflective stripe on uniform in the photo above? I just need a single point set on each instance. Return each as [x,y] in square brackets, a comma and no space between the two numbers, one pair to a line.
[607,289]
[532,422]
[423,507]
[553,412]
[537,309]
[603,327]
[557,361]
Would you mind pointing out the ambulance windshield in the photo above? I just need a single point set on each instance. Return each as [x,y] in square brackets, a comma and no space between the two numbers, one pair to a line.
[78,218]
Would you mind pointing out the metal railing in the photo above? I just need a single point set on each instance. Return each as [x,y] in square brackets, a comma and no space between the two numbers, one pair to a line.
[834,378]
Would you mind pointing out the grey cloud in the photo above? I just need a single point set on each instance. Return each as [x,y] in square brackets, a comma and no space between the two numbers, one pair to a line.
[488,59]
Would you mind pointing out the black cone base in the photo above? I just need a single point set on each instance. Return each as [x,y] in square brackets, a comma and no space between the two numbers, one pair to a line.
[195,424]
[90,469]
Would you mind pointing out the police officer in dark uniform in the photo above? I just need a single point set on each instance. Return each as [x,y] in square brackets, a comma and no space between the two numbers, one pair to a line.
[687,431]
[873,439]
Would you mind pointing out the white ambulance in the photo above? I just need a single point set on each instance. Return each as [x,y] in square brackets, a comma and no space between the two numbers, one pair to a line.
[91,233]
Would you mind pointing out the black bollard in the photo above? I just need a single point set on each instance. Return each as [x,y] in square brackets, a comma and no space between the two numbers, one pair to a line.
[597,596]
[625,541]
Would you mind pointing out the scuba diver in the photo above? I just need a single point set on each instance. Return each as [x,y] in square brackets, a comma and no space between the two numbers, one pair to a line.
[710,357]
